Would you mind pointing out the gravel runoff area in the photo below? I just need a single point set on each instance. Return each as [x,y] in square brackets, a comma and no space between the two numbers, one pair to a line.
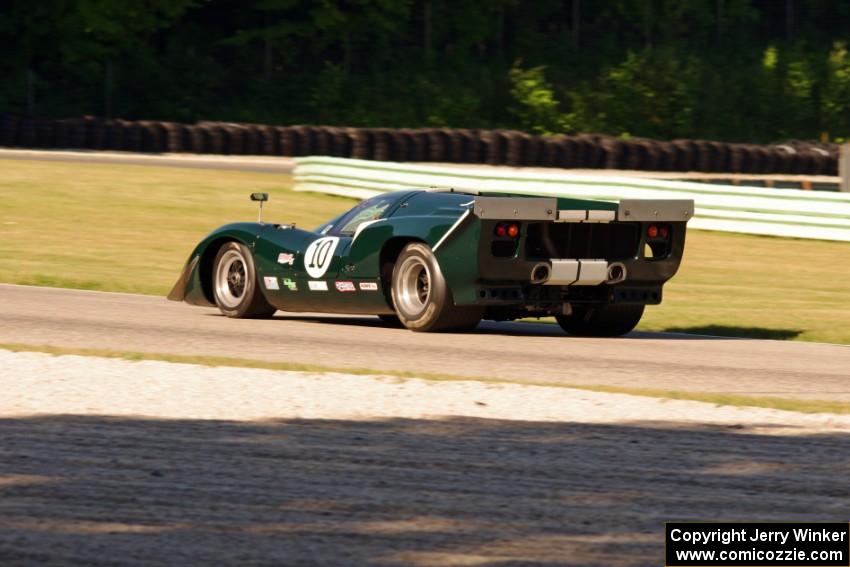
[106,461]
[37,383]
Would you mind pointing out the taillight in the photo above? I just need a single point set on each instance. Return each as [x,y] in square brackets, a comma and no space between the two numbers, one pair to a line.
[507,229]
[657,231]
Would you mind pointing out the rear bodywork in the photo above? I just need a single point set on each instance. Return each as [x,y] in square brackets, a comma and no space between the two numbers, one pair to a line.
[567,251]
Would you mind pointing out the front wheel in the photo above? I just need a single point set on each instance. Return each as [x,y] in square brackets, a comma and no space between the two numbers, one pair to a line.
[235,284]
[422,299]
[601,320]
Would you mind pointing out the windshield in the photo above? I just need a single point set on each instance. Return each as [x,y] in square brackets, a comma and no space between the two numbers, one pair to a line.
[326,227]
[370,209]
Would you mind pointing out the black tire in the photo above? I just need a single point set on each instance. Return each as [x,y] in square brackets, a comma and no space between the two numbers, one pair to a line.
[601,320]
[235,286]
[391,320]
[422,300]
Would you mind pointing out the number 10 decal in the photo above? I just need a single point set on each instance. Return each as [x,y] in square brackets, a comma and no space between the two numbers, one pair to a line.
[318,257]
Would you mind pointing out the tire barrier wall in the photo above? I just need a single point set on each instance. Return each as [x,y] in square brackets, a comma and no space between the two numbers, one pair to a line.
[494,147]
[750,210]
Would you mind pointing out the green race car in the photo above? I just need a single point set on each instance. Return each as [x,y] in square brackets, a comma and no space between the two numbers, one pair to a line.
[439,260]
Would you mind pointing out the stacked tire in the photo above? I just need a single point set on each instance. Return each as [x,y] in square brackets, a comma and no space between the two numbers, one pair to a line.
[443,145]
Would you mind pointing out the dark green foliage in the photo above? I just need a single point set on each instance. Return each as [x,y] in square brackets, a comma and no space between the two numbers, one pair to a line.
[738,70]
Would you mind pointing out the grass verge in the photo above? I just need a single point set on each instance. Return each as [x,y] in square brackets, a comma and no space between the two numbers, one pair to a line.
[129,228]
[801,406]
[758,286]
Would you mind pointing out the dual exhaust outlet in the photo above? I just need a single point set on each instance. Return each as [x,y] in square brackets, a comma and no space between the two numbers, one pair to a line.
[580,272]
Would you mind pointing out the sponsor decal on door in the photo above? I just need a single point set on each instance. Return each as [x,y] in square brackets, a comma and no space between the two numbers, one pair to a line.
[345,286]
[271,283]
[368,286]
[317,286]
[285,258]
[290,284]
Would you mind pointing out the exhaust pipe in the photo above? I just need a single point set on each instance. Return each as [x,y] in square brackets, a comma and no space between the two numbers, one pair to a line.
[616,273]
[540,273]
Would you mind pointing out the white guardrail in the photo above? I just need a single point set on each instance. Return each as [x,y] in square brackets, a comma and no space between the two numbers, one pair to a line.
[751,210]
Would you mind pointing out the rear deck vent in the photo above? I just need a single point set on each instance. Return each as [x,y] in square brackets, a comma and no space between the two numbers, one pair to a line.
[608,241]
[503,248]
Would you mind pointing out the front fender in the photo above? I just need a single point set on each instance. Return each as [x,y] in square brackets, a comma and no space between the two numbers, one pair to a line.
[194,284]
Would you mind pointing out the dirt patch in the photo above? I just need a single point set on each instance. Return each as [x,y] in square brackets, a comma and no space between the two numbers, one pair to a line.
[214,478]
[100,490]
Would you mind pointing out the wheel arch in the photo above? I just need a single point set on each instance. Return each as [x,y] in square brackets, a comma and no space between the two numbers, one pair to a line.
[194,286]
[205,264]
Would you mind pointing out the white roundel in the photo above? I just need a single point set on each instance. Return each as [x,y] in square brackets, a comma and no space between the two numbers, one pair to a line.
[319,255]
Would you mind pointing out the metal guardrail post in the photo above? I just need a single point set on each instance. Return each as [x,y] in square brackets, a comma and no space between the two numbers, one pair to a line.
[844,168]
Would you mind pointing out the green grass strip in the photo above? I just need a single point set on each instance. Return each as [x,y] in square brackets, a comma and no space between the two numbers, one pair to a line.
[705,215]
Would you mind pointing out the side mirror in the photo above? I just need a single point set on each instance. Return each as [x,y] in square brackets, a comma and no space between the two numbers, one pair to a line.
[261,198]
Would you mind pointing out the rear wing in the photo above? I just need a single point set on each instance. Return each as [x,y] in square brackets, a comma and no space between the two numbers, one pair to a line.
[546,209]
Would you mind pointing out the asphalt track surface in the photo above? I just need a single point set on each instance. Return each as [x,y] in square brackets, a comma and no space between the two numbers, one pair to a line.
[101,490]
[284,164]
[259,164]
[520,352]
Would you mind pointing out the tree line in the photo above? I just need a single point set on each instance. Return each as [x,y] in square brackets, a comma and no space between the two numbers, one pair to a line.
[733,70]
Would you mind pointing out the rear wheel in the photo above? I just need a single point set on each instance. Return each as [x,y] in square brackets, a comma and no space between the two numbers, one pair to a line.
[422,299]
[235,284]
[601,320]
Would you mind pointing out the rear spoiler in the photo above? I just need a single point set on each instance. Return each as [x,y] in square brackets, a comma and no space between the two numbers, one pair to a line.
[546,209]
